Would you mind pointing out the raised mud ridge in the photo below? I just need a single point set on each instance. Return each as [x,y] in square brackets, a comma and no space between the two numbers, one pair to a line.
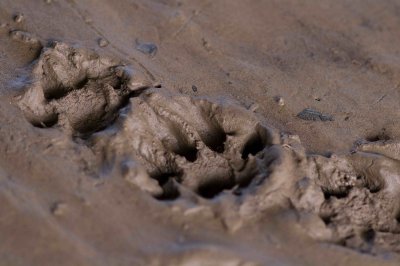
[175,146]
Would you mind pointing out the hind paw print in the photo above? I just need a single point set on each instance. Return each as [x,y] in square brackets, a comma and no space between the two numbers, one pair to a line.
[202,145]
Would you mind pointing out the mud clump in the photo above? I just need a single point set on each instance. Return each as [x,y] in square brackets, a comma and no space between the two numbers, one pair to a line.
[102,42]
[357,196]
[18,18]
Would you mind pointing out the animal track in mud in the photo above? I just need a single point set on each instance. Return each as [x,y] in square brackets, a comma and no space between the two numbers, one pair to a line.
[357,196]
[78,89]
[169,143]
[205,146]
[202,145]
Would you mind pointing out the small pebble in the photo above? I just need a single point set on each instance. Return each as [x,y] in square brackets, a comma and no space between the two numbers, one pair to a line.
[103,42]
[254,107]
[146,48]
[58,208]
[206,45]
[280,101]
[87,20]
[18,18]
[314,115]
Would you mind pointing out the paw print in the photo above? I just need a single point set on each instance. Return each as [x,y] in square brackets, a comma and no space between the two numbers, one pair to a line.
[196,143]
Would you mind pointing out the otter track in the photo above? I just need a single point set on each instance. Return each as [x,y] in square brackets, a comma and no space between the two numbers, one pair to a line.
[171,145]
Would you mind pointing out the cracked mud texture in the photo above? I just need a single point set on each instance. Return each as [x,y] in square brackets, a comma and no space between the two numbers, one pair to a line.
[166,143]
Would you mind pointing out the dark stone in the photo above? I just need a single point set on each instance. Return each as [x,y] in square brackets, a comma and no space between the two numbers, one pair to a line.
[313,115]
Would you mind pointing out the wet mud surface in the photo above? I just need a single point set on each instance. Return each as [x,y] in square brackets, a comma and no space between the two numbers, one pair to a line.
[188,135]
